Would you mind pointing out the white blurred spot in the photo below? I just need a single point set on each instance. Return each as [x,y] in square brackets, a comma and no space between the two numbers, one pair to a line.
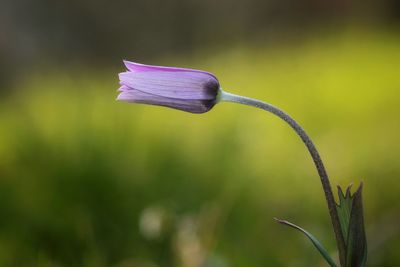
[151,222]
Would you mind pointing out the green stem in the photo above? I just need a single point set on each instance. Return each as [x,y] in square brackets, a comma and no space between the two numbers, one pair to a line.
[228,97]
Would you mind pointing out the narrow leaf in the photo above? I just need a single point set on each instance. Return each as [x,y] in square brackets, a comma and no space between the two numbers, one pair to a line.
[315,241]
[344,210]
[356,241]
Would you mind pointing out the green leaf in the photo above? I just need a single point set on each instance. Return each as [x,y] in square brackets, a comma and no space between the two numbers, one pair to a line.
[351,218]
[315,241]
[356,252]
[344,210]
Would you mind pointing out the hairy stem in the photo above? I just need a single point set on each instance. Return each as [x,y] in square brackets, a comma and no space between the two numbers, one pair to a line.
[228,97]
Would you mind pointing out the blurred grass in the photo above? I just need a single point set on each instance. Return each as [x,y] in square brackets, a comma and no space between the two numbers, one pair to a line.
[79,170]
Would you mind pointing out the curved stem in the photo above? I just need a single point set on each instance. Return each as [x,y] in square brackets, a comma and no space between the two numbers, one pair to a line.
[228,97]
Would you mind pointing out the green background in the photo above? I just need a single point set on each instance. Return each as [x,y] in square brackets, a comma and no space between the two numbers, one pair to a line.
[89,181]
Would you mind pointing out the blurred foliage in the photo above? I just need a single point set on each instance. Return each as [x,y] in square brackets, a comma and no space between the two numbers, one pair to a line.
[72,32]
[87,181]
[101,30]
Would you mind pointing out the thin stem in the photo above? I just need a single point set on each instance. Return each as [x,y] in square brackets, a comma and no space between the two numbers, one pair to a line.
[228,97]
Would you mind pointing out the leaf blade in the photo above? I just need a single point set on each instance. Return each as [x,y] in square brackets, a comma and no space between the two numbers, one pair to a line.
[356,255]
[344,210]
[315,241]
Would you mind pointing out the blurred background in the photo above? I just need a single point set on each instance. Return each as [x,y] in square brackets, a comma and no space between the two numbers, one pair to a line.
[87,181]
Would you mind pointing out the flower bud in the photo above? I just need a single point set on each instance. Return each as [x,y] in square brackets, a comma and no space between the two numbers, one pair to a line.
[189,90]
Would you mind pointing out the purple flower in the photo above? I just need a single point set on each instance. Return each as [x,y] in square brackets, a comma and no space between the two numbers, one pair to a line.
[184,89]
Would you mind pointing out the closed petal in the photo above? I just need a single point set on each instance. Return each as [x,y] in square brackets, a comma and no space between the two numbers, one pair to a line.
[137,67]
[123,88]
[136,96]
[172,84]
